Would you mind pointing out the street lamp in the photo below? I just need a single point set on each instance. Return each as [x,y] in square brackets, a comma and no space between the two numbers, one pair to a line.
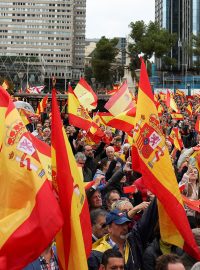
[164,72]
[93,80]
[21,75]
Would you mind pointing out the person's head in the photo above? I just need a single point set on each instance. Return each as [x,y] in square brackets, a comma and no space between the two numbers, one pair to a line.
[110,152]
[112,260]
[117,222]
[193,174]
[103,165]
[111,197]
[98,220]
[126,148]
[80,159]
[94,199]
[196,234]
[46,123]
[46,132]
[88,151]
[122,205]
[169,262]
[39,127]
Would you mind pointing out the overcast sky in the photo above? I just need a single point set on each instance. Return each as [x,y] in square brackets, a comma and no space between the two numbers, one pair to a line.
[111,18]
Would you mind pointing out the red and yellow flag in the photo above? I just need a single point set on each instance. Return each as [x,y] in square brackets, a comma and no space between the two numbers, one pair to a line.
[177,116]
[157,171]
[175,138]
[197,125]
[170,102]
[189,109]
[121,101]
[5,85]
[74,240]
[27,223]
[85,94]
[42,105]
[78,115]
[123,121]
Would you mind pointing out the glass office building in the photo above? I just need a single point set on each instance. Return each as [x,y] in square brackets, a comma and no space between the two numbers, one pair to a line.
[183,18]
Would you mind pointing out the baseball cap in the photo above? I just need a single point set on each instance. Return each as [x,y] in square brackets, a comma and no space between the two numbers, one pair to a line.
[117,217]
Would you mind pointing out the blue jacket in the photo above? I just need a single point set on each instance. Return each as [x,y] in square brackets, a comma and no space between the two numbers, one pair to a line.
[35,265]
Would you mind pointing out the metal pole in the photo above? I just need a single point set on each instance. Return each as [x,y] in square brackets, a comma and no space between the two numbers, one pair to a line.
[27,74]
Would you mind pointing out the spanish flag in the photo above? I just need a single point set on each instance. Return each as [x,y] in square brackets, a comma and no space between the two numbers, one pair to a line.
[78,115]
[121,101]
[197,125]
[123,121]
[177,116]
[85,94]
[74,240]
[175,138]
[157,170]
[27,223]
[189,109]
[170,102]
[42,105]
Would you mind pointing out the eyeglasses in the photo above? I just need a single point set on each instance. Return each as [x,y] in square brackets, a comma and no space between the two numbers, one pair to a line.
[101,226]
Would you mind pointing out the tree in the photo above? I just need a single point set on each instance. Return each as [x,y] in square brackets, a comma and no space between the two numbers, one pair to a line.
[151,40]
[103,56]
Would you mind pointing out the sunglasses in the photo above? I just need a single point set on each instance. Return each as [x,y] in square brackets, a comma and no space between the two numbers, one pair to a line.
[103,226]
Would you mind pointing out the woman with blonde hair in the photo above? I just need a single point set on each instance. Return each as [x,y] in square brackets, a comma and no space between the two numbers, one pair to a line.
[191,190]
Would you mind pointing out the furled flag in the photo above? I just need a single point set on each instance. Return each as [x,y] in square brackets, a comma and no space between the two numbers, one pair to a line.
[121,101]
[73,241]
[157,171]
[42,105]
[78,115]
[197,125]
[27,223]
[175,138]
[35,89]
[85,94]
[170,102]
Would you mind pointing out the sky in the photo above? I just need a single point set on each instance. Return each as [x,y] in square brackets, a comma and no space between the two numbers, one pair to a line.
[111,18]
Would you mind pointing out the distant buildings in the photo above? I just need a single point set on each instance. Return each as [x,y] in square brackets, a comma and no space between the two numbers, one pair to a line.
[47,34]
[183,18]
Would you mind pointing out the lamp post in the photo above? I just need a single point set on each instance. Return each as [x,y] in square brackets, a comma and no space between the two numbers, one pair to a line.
[21,75]
[164,72]
[93,80]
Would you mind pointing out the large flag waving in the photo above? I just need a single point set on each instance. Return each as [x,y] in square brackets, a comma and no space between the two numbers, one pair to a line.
[78,115]
[42,105]
[86,95]
[157,171]
[27,223]
[121,101]
[74,241]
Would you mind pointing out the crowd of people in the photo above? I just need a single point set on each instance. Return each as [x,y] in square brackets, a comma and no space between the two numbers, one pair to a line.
[123,212]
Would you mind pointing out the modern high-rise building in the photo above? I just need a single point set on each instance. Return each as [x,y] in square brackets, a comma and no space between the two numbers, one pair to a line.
[183,18]
[44,33]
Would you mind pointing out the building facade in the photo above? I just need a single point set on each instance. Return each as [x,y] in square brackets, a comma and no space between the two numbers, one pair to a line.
[183,18]
[48,34]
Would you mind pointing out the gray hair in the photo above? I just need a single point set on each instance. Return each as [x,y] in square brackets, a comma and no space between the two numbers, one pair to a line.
[94,214]
[79,156]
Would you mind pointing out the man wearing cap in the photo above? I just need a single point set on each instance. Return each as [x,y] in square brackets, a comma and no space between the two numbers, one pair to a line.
[131,245]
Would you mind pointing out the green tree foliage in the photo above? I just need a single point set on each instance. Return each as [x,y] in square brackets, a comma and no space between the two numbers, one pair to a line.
[150,40]
[104,55]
